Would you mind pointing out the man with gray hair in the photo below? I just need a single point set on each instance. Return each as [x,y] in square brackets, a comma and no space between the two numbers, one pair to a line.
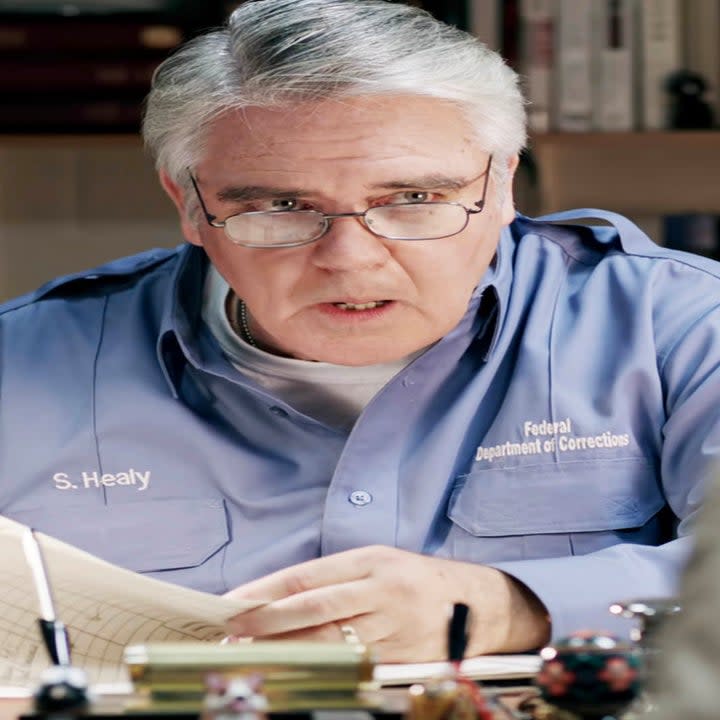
[365,388]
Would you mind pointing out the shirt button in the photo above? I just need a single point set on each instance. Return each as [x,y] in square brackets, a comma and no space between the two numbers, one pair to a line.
[275,410]
[360,498]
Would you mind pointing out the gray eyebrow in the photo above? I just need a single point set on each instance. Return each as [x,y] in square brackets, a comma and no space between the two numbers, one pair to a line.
[425,182]
[257,192]
[244,193]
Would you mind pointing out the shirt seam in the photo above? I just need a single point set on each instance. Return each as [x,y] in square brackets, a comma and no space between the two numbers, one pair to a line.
[96,362]
[662,257]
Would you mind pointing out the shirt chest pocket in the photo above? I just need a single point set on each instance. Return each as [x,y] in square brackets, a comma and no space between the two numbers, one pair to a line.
[552,510]
[178,540]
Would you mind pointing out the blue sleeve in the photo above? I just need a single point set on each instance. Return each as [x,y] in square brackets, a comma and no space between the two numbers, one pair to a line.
[578,590]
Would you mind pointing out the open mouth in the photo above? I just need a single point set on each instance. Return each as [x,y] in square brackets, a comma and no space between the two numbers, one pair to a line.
[360,306]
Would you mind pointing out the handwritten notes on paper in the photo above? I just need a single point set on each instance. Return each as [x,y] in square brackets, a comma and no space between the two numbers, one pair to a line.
[104,607]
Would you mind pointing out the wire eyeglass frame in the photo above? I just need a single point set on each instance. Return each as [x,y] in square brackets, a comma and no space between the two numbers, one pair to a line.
[327,218]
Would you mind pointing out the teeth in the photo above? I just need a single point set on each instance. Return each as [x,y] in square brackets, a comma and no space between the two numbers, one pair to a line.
[360,306]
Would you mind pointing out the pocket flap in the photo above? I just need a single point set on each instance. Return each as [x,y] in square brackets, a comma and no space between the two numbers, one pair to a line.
[562,498]
[160,534]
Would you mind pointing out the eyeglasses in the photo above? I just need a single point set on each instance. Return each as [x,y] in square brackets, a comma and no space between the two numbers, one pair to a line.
[395,221]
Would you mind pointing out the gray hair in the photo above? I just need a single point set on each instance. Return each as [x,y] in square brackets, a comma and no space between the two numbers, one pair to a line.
[273,53]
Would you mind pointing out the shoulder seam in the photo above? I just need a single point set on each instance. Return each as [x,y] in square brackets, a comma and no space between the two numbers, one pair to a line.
[662,256]
[46,291]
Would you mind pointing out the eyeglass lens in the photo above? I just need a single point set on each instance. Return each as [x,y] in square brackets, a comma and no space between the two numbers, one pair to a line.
[398,222]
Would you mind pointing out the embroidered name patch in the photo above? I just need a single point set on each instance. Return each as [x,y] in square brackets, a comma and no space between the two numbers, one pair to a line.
[138,478]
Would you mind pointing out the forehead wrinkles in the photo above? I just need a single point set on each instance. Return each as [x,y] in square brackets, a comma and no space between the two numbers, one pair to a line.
[360,134]
[275,131]
[318,144]
[277,153]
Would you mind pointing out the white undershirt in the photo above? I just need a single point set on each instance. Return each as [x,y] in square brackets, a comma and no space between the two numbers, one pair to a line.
[333,394]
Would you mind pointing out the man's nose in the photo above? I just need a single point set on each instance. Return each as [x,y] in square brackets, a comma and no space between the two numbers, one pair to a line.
[349,245]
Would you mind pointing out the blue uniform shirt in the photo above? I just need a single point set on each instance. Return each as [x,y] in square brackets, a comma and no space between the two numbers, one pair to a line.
[560,432]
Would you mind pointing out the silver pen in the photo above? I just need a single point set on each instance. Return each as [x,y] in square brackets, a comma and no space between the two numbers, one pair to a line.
[53,631]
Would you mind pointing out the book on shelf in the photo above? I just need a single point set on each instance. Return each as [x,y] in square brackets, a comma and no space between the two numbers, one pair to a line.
[573,66]
[188,10]
[660,54]
[72,115]
[88,71]
[72,75]
[82,35]
[614,66]
[484,19]
[100,25]
[537,20]
[510,32]
[84,6]
[604,64]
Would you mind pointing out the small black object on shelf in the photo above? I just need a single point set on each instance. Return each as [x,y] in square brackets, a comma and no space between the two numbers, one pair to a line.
[688,110]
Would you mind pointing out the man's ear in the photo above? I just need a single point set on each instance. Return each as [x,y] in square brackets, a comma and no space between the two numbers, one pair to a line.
[177,195]
[507,209]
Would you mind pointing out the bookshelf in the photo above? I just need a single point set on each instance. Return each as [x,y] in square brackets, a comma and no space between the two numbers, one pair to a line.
[638,174]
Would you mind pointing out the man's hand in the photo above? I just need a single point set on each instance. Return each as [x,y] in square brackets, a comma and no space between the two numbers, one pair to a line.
[397,601]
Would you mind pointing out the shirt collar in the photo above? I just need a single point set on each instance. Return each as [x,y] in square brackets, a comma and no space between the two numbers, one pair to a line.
[491,297]
[181,318]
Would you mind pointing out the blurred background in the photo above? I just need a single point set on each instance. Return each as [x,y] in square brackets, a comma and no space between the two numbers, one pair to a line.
[623,115]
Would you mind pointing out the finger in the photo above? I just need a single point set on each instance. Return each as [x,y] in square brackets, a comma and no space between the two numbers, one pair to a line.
[365,627]
[320,633]
[308,609]
[328,570]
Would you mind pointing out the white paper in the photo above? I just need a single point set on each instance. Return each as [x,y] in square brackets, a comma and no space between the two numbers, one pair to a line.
[103,606]
[485,667]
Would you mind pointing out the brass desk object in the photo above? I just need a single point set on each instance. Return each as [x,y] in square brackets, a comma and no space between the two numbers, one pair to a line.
[295,675]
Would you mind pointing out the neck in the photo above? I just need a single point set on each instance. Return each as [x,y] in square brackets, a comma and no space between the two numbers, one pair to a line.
[240,322]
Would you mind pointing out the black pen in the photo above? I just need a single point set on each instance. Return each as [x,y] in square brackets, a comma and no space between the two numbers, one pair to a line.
[458,633]
[54,633]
